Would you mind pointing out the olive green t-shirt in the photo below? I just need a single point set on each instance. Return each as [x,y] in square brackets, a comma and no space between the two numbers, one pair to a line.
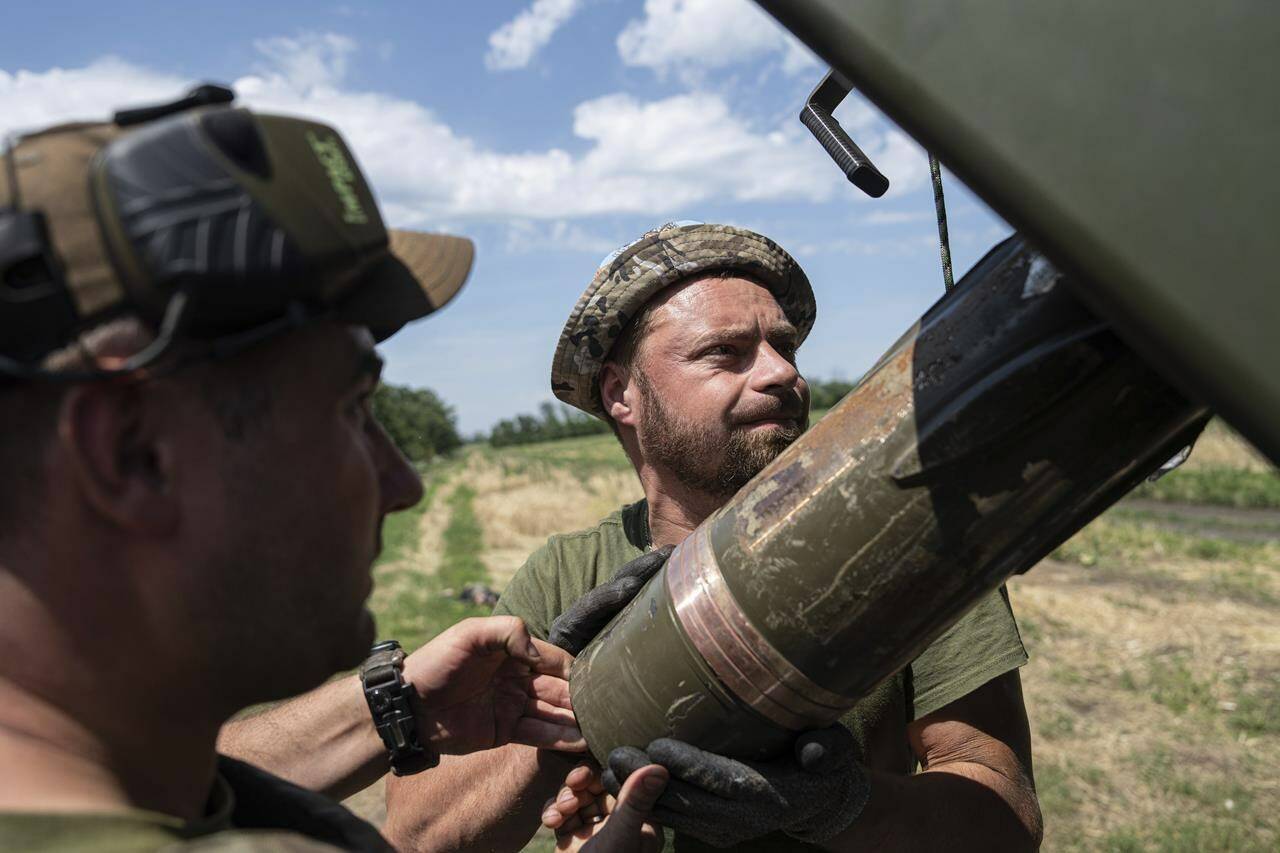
[982,645]
[249,811]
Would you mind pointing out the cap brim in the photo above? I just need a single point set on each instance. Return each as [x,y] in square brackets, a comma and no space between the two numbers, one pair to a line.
[420,274]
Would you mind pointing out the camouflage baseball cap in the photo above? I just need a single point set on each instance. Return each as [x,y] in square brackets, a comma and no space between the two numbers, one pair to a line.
[630,277]
[248,218]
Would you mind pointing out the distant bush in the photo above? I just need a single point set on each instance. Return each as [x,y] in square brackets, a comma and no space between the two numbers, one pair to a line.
[1220,486]
[829,392]
[418,421]
[554,422]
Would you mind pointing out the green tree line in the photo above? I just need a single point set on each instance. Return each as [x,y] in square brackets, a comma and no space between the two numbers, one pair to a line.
[826,393]
[553,422]
[418,421]
[560,421]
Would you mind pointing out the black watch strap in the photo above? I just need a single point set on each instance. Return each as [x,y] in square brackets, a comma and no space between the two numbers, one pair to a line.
[390,701]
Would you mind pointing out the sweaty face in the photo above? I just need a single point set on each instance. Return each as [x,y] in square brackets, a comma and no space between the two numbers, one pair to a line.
[292,509]
[719,393]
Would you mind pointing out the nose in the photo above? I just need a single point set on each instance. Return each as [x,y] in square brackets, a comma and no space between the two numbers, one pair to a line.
[400,485]
[773,371]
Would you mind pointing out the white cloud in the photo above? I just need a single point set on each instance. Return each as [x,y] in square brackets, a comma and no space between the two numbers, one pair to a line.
[691,36]
[310,60]
[515,43]
[30,100]
[656,158]
[525,235]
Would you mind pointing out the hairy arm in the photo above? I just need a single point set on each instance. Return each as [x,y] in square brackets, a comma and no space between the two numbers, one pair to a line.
[480,684]
[485,801]
[976,790]
[323,740]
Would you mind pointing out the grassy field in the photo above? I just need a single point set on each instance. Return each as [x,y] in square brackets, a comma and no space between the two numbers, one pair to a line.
[1154,634]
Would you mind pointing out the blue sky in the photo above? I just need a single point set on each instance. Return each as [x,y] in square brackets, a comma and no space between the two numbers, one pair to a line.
[550,132]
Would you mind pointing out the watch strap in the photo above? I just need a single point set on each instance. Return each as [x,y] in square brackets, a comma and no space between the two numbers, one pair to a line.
[390,699]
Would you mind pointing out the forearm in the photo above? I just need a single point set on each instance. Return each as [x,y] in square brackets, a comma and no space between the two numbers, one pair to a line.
[485,801]
[970,805]
[323,740]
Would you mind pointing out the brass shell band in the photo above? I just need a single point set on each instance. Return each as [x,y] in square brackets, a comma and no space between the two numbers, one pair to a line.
[746,663]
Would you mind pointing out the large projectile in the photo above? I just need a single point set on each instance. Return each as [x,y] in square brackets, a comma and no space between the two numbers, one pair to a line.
[999,425]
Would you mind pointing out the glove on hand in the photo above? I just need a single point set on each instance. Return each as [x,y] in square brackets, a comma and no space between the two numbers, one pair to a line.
[811,797]
[578,625]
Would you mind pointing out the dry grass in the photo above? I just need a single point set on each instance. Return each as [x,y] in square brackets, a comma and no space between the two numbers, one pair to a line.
[1222,447]
[1154,682]
[1153,695]
[519,509]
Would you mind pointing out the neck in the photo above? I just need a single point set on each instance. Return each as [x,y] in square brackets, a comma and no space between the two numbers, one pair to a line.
[674,509]
[93,726]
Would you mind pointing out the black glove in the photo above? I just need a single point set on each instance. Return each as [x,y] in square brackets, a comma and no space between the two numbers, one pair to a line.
[811,797]
[579,625]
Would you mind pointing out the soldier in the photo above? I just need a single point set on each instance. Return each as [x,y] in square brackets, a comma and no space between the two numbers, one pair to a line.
[194,487]
[685,343]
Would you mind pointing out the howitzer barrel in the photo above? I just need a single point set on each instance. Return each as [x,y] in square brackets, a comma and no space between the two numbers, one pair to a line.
[1000,424]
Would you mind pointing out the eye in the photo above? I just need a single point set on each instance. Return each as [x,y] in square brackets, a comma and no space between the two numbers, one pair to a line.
[721,350]
[360,409]
[786,349]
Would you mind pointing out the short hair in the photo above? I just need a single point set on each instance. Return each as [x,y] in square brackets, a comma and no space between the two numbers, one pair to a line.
[29,409]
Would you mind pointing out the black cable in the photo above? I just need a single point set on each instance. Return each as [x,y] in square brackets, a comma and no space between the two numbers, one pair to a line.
[944,242]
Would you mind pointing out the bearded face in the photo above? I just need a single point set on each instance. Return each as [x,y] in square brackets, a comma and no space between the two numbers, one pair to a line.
[718,458]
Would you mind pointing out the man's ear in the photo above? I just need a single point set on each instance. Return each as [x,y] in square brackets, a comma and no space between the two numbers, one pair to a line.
[617,393]
[118,455]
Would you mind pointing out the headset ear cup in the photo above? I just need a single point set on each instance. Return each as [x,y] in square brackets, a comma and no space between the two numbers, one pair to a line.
[37,314]
[236,135]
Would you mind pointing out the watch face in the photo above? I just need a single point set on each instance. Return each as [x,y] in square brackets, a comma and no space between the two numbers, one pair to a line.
[384,646]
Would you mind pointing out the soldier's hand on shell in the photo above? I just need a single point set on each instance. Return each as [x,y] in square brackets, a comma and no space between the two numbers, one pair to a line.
[578,625]
[584,817]
[811,795]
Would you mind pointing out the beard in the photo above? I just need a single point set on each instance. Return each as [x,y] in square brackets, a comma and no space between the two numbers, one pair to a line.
[706,460]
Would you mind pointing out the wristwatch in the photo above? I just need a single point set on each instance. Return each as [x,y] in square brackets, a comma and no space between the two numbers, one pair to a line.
[390,701]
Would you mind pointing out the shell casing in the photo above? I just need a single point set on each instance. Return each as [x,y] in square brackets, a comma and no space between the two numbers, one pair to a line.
[1007,418]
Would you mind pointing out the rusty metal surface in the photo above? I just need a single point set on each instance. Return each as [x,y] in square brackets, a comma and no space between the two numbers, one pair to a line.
[643,679]
[1000,424]
[737,652]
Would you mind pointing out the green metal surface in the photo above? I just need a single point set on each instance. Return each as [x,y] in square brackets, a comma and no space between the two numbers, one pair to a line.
[1134,143]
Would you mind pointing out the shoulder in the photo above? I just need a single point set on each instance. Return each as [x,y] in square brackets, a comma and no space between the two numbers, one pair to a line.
[983,644]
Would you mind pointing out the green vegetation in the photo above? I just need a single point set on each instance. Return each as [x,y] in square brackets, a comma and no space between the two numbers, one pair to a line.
[1224,470]
[463,541]
[1220,486]
[826,393]
[581,457]
[1152,633]
[418,421]
[414,606]
[1135,541]
[556,421]
[400,530]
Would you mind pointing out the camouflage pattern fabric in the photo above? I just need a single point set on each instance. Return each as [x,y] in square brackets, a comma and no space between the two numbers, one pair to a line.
[659,259]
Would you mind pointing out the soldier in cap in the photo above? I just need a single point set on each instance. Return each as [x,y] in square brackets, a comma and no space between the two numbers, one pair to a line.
[194,488]
[685,343]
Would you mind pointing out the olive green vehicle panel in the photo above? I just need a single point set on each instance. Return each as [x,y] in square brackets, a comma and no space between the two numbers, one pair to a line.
[1134,143]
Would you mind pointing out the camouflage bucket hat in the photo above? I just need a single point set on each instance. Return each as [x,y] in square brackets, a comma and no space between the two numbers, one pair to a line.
[630,277]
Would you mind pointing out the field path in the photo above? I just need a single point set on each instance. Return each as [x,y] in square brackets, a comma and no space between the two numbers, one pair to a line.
[1227,522]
